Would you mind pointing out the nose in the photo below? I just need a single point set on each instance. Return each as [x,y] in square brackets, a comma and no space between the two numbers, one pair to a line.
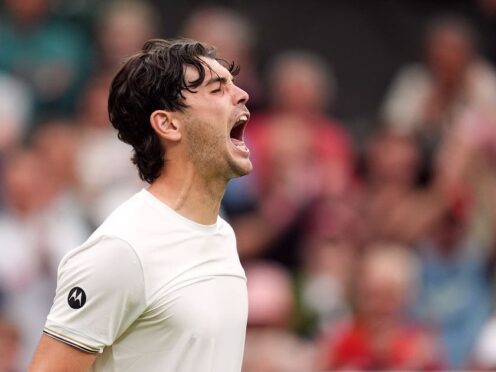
[241,96]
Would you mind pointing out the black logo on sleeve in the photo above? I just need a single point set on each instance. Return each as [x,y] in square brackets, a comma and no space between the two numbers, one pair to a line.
[77,298]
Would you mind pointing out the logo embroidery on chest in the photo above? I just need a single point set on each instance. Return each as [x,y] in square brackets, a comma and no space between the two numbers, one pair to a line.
[76,298]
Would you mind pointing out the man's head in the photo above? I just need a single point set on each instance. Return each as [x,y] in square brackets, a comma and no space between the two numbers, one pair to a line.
[175,101]
[450,47]
[301,82]
[122,28]
[386,281]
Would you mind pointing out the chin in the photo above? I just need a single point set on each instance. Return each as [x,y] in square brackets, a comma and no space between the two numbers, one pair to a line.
[241,168]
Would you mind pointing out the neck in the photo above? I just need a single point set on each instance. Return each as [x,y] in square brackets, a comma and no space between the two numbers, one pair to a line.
[183,188]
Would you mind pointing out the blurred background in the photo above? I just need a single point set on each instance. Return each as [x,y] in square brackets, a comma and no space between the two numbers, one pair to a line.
[367,230]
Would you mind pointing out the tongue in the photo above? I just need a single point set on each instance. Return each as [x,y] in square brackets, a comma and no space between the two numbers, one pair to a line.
[239,144]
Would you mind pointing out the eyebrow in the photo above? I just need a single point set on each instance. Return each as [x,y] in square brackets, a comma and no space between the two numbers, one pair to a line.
[218,79]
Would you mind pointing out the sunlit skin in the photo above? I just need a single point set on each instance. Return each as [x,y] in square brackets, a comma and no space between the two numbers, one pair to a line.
[200,154]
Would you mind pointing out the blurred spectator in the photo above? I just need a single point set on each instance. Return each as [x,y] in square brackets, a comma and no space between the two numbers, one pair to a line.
[15,111]
[455,291]
[271,295]
[467,172]
[9,346]
[300,156]
[426,98]
[381,336]
[37,228]
[234,37]
[392,166]
[51,56]
[327,270]
[57,142]
[122,29]
[104,171]
[296,135]
[392,203]
[270,344]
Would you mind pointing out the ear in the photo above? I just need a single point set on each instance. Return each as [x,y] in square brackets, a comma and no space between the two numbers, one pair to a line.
[165,125]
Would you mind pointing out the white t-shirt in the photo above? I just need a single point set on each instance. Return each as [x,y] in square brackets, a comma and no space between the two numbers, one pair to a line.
[153,291]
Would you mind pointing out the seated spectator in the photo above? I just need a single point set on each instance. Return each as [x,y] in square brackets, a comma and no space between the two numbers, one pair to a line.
[37,228]
[270,344]
[15,115]
[50,56]
[392,206]
[455,289]
[104,172]
[57,142]
[122,29]
[425,99]
[324,282]
[448,104]
[382,336]
[466,169]
[297,136]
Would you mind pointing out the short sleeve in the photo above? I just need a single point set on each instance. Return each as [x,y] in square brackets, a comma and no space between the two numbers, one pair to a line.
[100,293]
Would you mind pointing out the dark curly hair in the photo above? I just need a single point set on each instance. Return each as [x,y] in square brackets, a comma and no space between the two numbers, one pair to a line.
[154,79]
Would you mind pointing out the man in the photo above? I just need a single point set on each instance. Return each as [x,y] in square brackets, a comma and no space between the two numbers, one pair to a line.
[158,286]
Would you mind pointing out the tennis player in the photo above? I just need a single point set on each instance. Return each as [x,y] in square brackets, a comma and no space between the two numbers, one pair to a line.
[158,287]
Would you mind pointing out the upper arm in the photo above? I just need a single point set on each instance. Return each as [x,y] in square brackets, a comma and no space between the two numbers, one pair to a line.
[55,356]
[100,293]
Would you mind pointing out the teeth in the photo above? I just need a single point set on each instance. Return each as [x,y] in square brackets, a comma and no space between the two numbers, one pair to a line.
[242,119]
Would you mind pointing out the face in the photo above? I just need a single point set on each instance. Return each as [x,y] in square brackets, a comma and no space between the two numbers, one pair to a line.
[380,293]
[123,32]
[24,170]
[214,123]
[394,161]
[449,53]
[299,87]
[379,297]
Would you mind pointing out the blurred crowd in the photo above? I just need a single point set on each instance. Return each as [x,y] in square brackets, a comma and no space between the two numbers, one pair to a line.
[375,254]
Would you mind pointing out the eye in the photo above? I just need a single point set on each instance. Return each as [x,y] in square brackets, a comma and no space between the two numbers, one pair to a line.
[216,90]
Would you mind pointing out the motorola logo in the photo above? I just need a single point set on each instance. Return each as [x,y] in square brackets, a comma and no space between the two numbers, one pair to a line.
[76,298]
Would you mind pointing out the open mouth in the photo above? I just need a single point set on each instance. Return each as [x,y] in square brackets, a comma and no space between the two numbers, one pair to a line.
[237,132]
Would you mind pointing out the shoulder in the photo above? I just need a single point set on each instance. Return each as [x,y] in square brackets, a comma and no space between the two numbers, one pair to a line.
[481,69]
[105,267]
[101,290]
[412,72]
[128,220]
[225,227]
[107,258]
